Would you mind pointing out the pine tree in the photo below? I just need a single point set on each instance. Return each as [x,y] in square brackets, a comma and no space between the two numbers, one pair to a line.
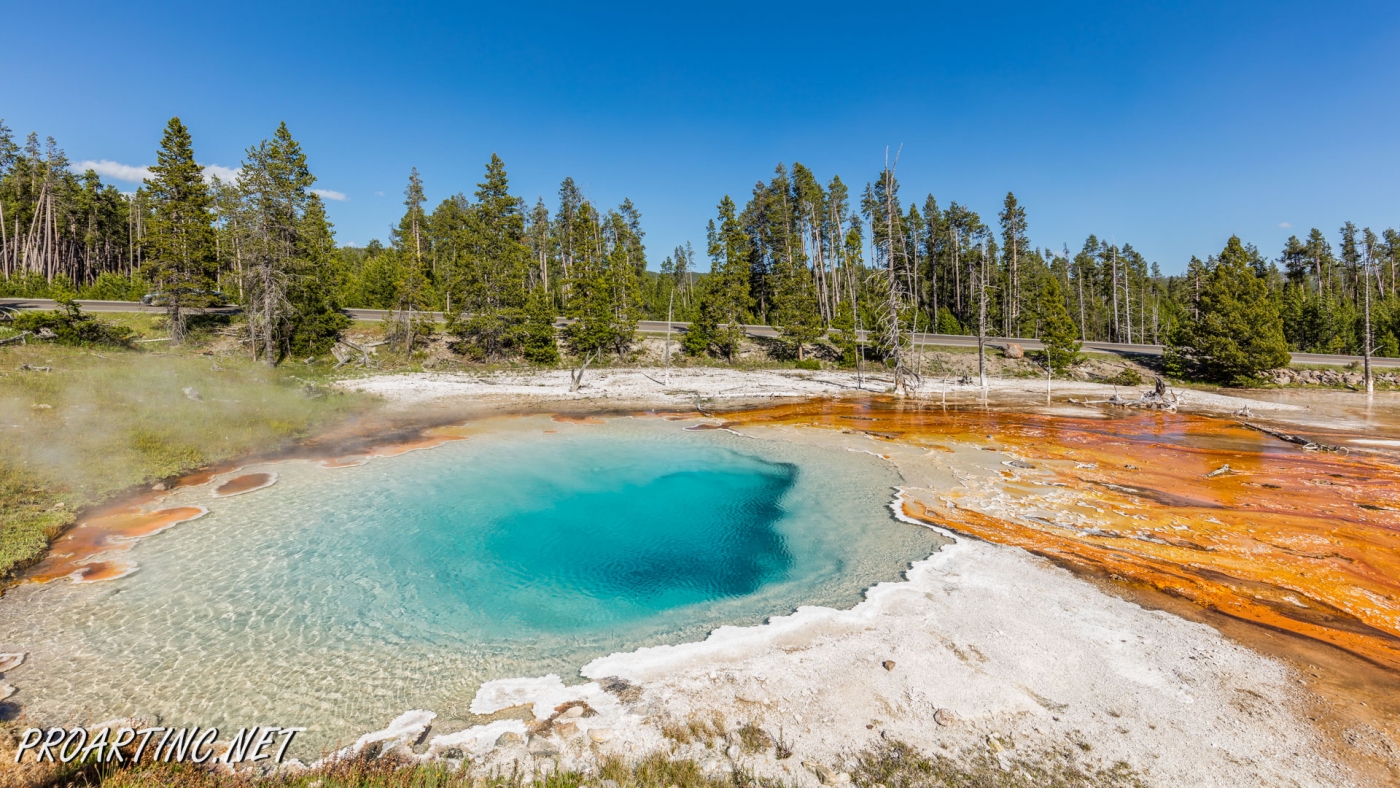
[727,295]
[843,333]
[699,336]
[409,236]
[1238,333]
[541,343]
[180,243]
[316,319]
[795,311]
[278,218]
[607,290]
[1014,246]
[491,272]
[1057,329]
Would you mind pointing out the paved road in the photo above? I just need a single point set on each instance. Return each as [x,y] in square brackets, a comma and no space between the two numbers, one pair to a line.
[659,327]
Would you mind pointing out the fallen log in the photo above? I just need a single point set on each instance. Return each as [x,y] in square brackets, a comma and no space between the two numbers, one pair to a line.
[1297,440]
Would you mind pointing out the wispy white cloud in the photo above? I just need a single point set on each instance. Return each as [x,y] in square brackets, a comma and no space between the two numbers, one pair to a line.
[225,174]
[329,194]
[1285,225]
[114,170]
[379,194]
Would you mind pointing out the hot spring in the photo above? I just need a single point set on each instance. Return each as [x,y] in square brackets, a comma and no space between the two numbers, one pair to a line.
[342,596]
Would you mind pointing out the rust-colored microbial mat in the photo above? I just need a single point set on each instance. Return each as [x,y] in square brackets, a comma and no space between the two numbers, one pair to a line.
[429,439]
[570,418]
[86,553]
[1302,541]
[246,483]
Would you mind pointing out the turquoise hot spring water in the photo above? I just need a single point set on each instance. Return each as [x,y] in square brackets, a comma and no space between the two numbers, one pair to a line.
[340,597]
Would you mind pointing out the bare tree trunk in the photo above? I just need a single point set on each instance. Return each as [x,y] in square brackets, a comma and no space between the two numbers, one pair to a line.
[980,284]
[895,337]
[670,309]
[1114,264]
[1366,340]
[957,269]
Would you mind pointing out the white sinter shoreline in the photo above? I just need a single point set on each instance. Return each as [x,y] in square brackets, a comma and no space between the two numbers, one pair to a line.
[683,385]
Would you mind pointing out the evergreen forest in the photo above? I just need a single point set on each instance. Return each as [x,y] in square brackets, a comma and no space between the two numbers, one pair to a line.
[816,258]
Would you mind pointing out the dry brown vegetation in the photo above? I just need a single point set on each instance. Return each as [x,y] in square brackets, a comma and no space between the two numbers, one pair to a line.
[892,764]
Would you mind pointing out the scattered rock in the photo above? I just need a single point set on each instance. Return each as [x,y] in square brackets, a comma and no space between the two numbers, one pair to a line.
[509,738]
[626,691]
[158,486]
[1022,464]
[716,765]
[600,735]
[608,784]
[944,717]
[733,751]
[1221,471]
[454,752]
[573,712]
[1013,350]
[190,393]
[6,690]
[11,661]
[827,776]
[541,747]
[566,730]
[887,664]
[843,778]
[751,693]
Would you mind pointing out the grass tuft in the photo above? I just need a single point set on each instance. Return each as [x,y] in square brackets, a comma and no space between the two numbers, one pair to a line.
[898,765]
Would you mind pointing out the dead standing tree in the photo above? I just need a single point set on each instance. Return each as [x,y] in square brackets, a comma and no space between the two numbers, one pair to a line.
[896,339]
[979,283]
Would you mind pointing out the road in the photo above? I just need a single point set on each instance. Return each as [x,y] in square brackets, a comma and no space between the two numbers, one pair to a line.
[659,327]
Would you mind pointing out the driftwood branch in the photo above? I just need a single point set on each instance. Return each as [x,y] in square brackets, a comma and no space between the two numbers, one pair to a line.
[20,338]
[1161,397]
[345,351]
[576,375]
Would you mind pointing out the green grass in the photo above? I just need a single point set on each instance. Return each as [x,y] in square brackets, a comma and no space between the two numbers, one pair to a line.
[105,420]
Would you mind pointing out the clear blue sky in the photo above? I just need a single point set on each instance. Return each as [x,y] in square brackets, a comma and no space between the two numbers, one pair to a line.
[1166,125]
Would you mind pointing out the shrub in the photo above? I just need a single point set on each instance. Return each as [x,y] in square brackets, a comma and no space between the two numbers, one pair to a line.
[1127,376]
[69,325]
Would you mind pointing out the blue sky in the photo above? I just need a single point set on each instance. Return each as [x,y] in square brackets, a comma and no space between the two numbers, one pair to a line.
[1166,125]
